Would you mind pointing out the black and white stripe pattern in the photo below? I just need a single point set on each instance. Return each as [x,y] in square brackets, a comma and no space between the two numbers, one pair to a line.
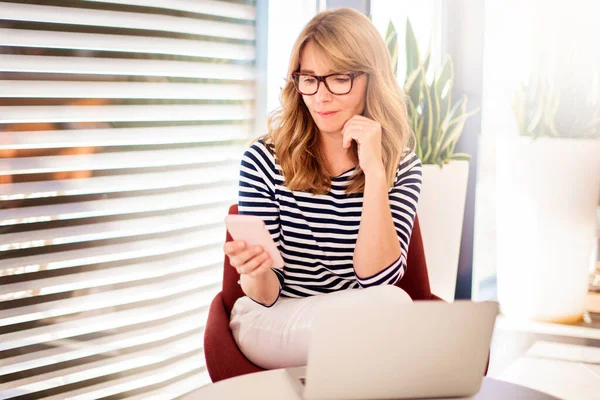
[316,234]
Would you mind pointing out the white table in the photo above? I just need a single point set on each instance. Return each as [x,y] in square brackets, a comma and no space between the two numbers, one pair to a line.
[275,385]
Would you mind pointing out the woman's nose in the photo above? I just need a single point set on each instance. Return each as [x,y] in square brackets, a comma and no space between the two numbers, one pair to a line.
[322,95]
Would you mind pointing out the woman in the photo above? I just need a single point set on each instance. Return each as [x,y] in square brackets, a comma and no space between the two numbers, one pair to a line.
[335,181]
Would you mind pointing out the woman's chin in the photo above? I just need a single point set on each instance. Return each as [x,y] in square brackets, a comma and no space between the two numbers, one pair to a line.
[330,128]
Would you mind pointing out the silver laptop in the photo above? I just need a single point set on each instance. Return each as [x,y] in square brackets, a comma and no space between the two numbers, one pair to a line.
[425,349]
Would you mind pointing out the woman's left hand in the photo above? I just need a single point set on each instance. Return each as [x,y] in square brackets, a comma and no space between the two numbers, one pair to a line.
[367,134]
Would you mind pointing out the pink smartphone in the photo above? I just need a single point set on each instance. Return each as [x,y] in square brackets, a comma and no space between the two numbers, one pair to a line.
[252,230]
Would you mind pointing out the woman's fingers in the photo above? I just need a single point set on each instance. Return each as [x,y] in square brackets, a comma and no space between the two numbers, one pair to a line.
[240,257]
[262,268]
[233,247]
[247,260]
[346,132]
[358,128]
[254,263]
[348,136]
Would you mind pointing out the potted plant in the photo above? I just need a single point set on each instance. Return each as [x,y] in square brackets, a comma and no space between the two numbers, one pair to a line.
[549,180]
[437,124]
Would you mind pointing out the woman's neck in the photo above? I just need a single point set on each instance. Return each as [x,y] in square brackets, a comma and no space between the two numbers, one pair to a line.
[338,159]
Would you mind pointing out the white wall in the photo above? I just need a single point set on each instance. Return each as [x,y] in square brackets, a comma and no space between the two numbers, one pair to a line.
[286,20]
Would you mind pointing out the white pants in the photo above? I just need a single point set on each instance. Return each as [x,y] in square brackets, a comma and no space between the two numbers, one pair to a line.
[279,336]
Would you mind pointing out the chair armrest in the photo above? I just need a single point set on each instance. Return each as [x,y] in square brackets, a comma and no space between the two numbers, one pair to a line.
[223,357]
[434,297]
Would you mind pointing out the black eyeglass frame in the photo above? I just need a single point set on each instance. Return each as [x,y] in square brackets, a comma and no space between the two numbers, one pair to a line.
[322,78]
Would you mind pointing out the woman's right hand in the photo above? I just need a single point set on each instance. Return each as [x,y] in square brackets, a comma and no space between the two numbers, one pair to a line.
[253,261]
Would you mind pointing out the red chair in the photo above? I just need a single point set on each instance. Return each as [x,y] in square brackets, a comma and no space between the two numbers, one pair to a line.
[223,357]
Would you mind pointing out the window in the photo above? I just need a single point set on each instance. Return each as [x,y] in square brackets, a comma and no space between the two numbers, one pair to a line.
[121,127]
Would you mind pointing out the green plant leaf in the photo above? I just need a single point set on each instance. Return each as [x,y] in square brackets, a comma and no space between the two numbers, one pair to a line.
[427,60]
[551,111]
[435,121]
[537,109]
[444,82]
[391,41]
[451,114]
[415,91]
[427,118]
[456,125]
[445,104]
[437,131]
[413,58]
[409,106]
[412,86]
[444,76]
[412,116]
[460,156]
[519,109]
[443,96]
[548,105]
[419,122]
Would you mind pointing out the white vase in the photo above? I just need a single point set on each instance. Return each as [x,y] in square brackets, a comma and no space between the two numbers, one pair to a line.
[441,210]
[547,193]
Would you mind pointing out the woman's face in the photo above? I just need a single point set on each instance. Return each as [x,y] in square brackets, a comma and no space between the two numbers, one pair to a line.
[330,112]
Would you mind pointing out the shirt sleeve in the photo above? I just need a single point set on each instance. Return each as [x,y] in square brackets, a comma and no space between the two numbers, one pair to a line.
[403,196]
[256,195]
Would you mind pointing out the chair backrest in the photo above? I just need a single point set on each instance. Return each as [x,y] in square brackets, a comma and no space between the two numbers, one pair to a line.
[415,281]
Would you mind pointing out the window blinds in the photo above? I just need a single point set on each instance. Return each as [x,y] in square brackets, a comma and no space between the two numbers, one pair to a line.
[121,127]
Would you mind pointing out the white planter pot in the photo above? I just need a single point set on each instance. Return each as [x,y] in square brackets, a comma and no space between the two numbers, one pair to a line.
[547,193]
[441,209]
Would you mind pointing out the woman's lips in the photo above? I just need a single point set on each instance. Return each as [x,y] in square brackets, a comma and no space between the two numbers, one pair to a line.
[326,114]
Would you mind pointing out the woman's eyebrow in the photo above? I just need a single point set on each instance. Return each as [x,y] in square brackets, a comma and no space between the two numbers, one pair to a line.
[310,71]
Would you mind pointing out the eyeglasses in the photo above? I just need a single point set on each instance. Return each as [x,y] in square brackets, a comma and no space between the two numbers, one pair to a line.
[338,84]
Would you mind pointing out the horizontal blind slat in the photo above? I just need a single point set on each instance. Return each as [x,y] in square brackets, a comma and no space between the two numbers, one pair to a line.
[127,20]
[216,8]
[117,386]
[21,140]
[113,365]
[125,90]
[122,160]
[126,113]
[113,230]
[102,345]
[124,183]
[166,288]
[126,44]
[125,67]
[138,271]
[130,251]
[114,207]
[113,321]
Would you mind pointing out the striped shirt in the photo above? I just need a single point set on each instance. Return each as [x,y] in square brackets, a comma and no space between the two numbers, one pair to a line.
[316,234]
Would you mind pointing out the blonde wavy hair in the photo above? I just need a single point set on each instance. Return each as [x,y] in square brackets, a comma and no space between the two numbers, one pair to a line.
[353,44]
